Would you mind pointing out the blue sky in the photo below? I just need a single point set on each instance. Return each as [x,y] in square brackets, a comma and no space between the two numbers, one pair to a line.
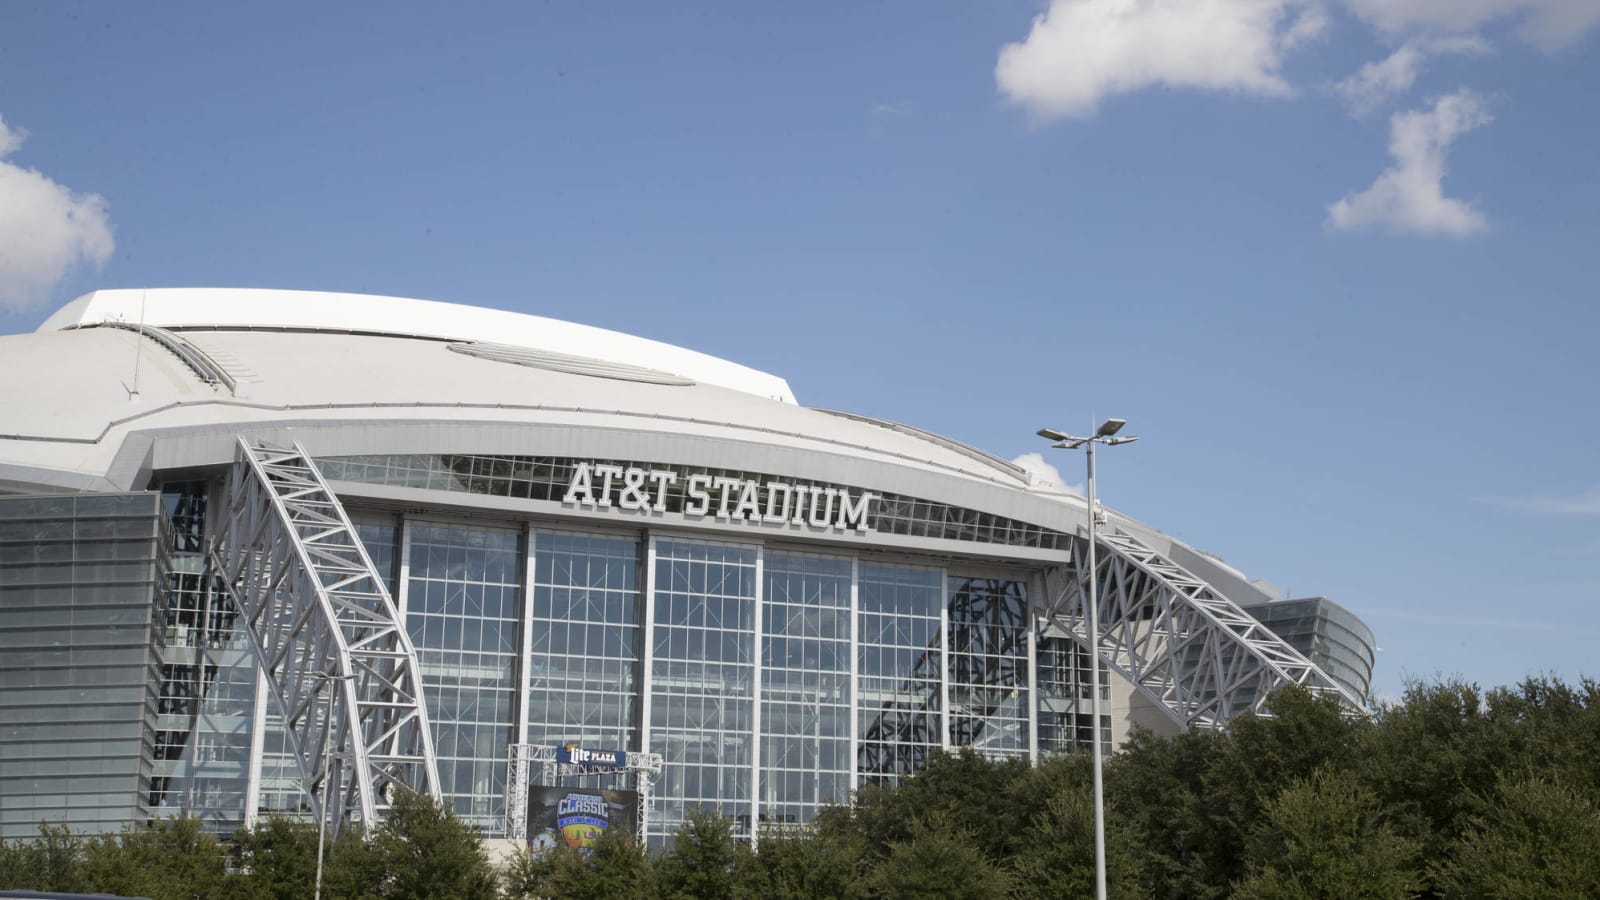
[1335,261]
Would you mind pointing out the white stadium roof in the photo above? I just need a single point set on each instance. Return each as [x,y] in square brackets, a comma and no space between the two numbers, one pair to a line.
[238,308]
[433,377]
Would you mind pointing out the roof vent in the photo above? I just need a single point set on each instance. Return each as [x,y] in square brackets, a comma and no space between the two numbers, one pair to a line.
[562,362]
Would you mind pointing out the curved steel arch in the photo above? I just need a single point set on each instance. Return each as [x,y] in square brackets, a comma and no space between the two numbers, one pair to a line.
[1196,653]
[319,617]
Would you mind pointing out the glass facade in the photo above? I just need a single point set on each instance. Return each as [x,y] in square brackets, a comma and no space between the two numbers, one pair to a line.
[900,645]
[583,660]
[462,605]
[988,674]
[1328,634]
[772,679]
[702,686]
[208,690]
[83,579]
[806,694]
[1065,686]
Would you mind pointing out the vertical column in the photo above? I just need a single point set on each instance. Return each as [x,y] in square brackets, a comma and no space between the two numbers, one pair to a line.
[755,701]
[647,653]
[402,588]
[944,659]
[1033,689]
[519,703]
[258,738]
[855,674]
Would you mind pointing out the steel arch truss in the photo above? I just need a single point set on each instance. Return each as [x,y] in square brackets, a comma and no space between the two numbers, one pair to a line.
[1196,653]
[320,618]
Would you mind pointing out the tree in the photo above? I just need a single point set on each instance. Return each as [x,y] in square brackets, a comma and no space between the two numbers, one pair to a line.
[811,863]
[964,788]
[1430,757]
[1538,838]
[425,851]
[1056,853]
[52,862]
[939,861]
[171,859]
[706,862]
[614,867]
[1325,837]
[1159,789]
[275,860]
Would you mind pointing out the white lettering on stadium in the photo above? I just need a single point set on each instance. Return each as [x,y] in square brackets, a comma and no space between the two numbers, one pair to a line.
[603,485]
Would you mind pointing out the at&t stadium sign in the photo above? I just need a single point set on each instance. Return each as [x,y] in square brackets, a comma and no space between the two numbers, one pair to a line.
[771,502]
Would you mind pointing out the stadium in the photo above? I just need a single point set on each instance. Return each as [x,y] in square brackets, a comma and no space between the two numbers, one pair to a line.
[285,552]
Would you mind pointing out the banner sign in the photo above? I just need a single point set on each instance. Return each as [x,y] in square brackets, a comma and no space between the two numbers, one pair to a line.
[630,488]
[576,817]
[576,755]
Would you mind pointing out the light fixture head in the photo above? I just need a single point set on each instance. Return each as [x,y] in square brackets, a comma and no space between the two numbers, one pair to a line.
[1110,427]
[1050,434]
[1112,442]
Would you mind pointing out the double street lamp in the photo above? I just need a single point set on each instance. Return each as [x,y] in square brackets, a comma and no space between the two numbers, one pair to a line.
[1105,434]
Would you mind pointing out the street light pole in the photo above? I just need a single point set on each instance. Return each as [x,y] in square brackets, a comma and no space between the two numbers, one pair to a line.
[1103,435]
[329,735]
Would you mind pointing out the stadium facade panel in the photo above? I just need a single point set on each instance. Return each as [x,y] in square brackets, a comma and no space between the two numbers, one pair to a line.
[589,539]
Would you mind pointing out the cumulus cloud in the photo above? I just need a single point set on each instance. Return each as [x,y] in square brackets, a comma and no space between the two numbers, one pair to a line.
[1079,52]
[1040,471]
[1550,24]
[1409,196]
[45,229]
[1377,82]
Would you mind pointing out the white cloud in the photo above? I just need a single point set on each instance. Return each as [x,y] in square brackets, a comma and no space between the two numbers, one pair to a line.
[1040,471]
[1377,82]
[45,230]
[1583,504]
[1550,24]
[1409,196]
[1079,52]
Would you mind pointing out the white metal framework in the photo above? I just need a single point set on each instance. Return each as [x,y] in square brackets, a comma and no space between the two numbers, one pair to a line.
[319,617]
[645,768]
[1201,657]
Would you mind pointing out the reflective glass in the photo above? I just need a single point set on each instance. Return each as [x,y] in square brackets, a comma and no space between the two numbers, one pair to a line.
[900,669]
[988,665]
[585,654]
[465,632]
[702,681]
[806,699]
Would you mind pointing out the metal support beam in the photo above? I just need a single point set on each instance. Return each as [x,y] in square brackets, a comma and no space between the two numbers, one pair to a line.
[1196,653]
[315,610]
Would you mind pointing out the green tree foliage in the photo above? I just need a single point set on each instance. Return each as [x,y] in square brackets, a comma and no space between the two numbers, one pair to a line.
[706,862]
[1451,792]
[1431,755]
[1157,789]
[1536,838]
[275,860]
[425,851]
[616,868]
[799,865]
[52,862]
[1055,855]
[1193,800]
[939,860]
[1325,838]
[172,859]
